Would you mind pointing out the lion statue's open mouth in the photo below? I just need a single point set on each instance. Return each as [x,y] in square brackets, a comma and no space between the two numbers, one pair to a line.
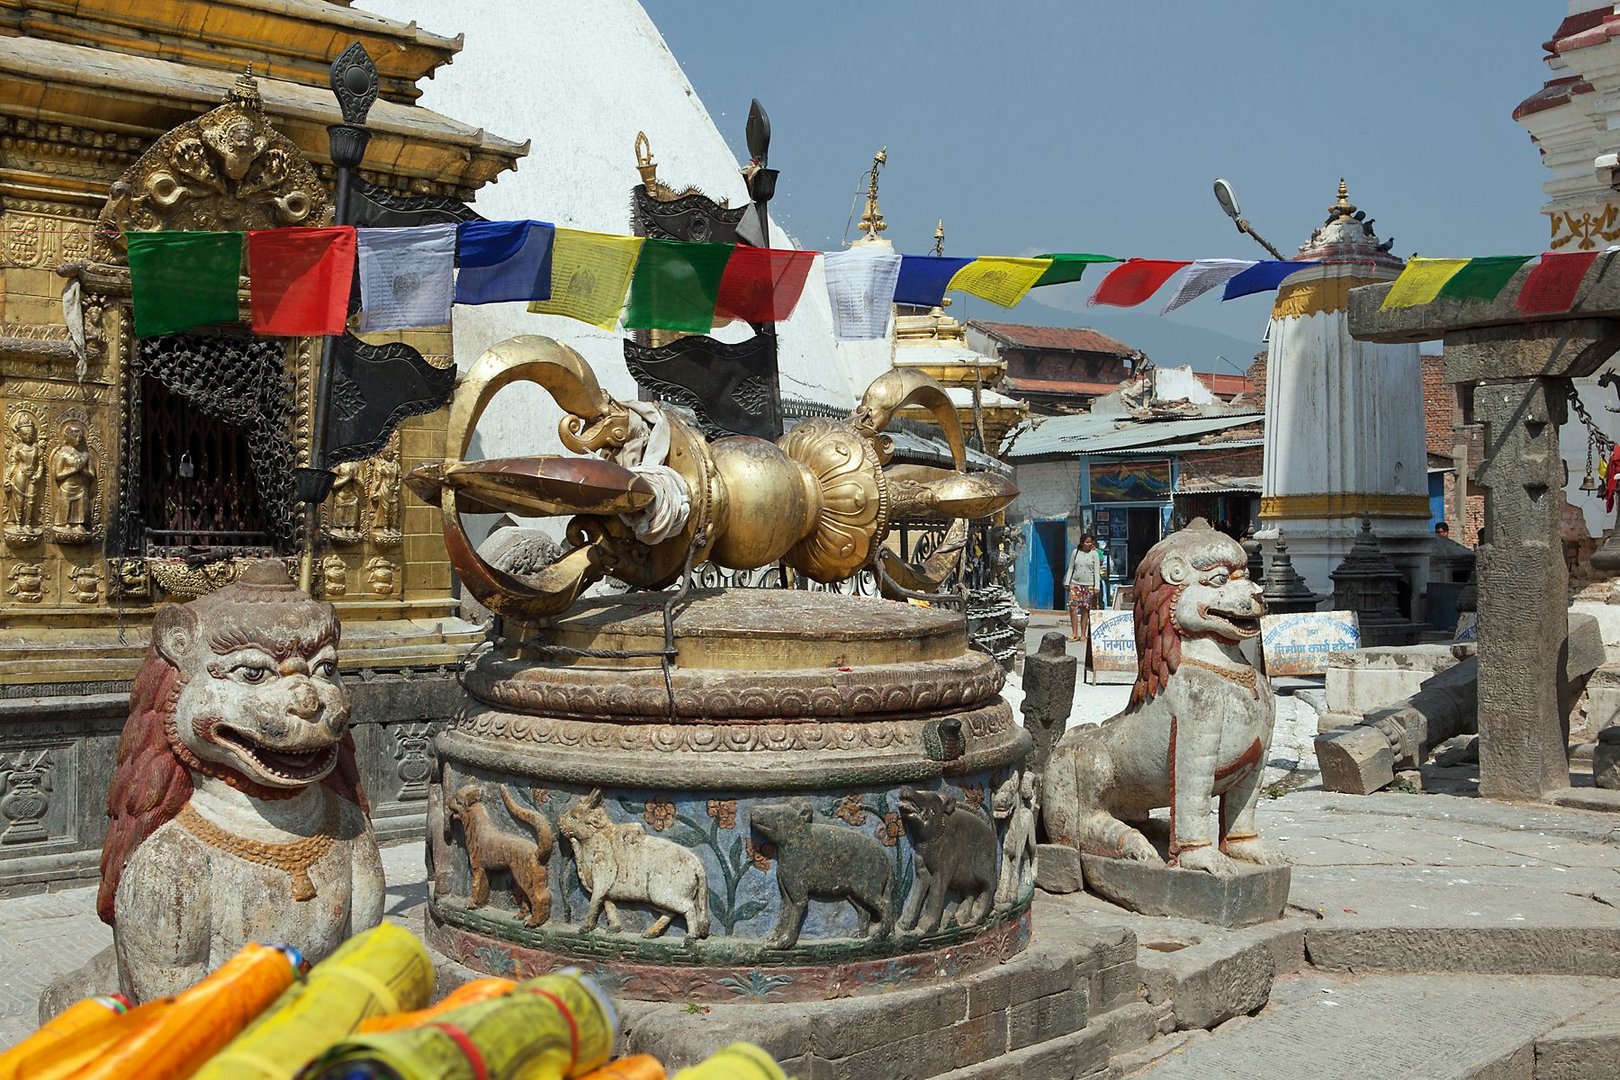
[1241,626]
[277,765]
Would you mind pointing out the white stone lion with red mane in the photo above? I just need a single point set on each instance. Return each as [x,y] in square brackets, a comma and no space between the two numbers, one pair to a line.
[1198,726]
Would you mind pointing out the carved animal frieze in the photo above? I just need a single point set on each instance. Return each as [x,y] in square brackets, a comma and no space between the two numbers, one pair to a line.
[1198,726]
[489,847]
[956,854]
[620,863]
[1016,802]
[823,862]
[236,776]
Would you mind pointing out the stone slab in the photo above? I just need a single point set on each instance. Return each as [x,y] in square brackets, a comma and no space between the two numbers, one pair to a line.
[1411,1028]
[1586,1048]
[1250,896]
[1057,869]
[1304,643]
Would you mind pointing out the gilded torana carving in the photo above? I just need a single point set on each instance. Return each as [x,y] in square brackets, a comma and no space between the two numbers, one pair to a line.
[25,469]
[75,473]
[228,169]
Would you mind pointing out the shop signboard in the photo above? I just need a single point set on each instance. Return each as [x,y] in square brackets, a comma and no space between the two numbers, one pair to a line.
[1113,646]
[1301,644]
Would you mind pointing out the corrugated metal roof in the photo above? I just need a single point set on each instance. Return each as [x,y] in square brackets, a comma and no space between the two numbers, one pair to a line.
[1189,447]
[1070,436]
[1053,338]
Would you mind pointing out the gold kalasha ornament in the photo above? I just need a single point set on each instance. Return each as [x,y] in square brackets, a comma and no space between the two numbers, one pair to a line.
[820,499]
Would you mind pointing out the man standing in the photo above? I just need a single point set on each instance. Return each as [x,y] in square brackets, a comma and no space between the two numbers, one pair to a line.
[1084,579]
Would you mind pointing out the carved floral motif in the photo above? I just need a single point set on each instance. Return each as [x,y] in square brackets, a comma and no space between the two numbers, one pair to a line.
[25,780]
[27,583]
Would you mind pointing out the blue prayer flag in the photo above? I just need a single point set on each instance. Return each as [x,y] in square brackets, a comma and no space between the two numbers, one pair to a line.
[923,278]
[1261,277]
[503,260]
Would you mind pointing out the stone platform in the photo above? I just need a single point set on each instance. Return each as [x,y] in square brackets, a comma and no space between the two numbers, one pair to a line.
[1403,906]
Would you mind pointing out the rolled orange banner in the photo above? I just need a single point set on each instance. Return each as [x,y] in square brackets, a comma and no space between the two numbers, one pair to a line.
[634,1067]
[184,1031]
[74,1022]
[466,994]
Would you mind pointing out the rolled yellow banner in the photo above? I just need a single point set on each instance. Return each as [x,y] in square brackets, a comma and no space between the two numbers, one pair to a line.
[634,1067]
[550,1028]
[171,1038]
[383,971]
[466,994]
[74,1022]
[739,1061]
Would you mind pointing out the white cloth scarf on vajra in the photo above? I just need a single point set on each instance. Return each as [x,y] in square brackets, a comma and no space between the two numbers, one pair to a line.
[644,454]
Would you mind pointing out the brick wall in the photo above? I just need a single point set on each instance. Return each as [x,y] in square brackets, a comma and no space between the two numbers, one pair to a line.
[1257,376]
[1439,406]
[1216,464]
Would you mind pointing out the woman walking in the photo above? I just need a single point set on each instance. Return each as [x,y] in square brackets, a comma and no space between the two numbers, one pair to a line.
[1084,579]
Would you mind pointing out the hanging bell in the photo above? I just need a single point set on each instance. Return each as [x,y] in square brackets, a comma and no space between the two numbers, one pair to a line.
[187,469]
[1589,483]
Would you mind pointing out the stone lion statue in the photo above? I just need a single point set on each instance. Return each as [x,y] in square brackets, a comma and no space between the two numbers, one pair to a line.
[236,807]
[1198,725]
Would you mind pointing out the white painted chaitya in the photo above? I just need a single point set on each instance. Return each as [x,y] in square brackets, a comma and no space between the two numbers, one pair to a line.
[1345,431]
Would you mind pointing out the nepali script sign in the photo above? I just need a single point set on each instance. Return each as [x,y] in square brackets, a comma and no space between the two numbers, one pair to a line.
[1301,644]
[1113,646]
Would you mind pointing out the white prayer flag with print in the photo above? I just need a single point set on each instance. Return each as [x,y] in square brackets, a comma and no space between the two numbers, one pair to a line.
[860,288]
[406,276]
[1202,276]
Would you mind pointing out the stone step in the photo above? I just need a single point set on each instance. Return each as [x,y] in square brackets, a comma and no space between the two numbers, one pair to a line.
[1420,1027]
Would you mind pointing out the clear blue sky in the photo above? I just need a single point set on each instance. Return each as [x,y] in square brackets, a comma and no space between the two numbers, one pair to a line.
[1081,125]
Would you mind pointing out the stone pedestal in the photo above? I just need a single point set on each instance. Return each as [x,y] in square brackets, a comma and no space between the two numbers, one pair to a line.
[1252,895]
[810,772]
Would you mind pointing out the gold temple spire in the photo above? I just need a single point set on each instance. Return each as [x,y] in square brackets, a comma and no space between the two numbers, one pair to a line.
[872,219]
[1344,208]
[245,91]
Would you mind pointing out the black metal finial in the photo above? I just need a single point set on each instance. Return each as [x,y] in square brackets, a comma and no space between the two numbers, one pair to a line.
[759,134]
[355,83]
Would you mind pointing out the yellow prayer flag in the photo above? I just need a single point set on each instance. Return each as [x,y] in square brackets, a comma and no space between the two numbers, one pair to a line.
[590,273]
[1421,282]
[999,279]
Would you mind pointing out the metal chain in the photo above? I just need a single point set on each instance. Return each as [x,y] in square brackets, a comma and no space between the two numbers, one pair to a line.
[1603,442]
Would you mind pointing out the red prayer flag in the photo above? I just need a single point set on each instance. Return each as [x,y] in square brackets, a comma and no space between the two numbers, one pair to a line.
[1134,280]
[762,285]
[301,280]
[1550,288]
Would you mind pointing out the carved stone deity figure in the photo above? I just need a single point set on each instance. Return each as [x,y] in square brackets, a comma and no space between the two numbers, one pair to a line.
[25,466]
[382,492]
[74,470]
[1198,725]
[236,809]
[343,525]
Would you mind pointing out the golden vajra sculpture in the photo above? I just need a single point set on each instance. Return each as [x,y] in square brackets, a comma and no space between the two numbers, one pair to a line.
[658,498]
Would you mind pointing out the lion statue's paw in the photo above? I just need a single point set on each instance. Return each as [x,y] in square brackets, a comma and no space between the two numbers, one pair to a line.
[1138,848]
[1251,851]
[1208,859]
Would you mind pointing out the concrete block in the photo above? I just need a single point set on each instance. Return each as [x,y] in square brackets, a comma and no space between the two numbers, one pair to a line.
[1355,760]
[1045,1018]
[1253,895]
[1057,869]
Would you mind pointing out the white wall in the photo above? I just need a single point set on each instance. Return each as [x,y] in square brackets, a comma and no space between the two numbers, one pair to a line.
[580,78]
[1046,489]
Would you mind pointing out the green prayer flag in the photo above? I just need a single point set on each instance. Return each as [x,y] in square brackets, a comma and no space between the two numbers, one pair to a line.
[1483,278]
[676,286]
[1066,268]
[183,279]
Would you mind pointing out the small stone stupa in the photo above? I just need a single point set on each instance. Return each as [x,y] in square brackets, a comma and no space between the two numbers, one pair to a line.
[1370,585]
